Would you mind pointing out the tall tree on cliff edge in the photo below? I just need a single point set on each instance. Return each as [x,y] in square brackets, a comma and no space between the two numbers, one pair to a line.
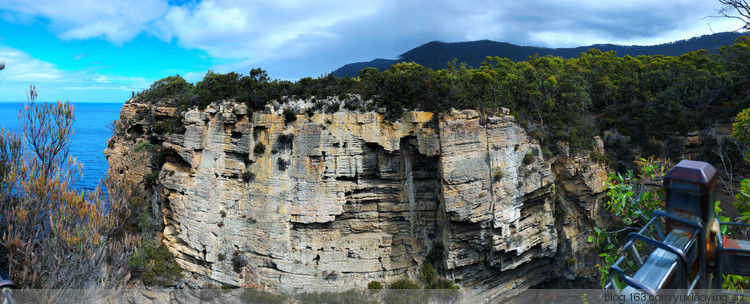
[736,9]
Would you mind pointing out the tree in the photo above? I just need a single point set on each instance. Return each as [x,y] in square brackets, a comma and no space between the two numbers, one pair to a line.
[54,237]
[736,9]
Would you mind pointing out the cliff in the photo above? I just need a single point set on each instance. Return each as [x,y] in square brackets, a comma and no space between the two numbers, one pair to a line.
[336,200]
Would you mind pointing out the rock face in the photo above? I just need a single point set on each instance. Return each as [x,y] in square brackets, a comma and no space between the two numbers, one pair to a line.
[334,201]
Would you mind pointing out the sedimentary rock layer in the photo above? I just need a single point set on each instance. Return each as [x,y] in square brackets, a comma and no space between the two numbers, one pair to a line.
[334,201]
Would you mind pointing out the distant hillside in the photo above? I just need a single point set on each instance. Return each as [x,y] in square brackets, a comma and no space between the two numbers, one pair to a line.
[436,55]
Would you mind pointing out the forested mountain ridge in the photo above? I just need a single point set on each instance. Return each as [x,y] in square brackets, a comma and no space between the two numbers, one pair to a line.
[436,55]
[646,99]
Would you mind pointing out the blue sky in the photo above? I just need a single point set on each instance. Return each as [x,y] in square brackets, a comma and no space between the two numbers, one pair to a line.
[101,51]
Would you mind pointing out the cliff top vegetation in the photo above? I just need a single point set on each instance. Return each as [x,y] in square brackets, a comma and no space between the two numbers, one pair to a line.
[555,99]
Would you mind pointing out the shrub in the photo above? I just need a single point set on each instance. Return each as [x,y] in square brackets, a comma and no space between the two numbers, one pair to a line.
[289,115]
[327,297]
[600,157]
[333,108]
[404,283]
[250,295]
[154,265]
[145,146]
[282,163]
[497,174]
[222,256]
[151,178]
[248,176]
[51,231]
[238,261]
[110,143]
[332,275]
[528,158]
[286,139]
[429,275]
[165,88]
[260,148]
[158,160]
[441,283]
[217,86]
[169,126]
[374,285]
[436,255]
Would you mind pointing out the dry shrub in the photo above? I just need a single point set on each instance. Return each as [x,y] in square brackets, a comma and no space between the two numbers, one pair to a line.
[54,236]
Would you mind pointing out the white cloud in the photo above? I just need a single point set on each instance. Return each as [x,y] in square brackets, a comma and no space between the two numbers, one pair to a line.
[20,67]
[116,21]
[297,38]
[21,70]
[255,30]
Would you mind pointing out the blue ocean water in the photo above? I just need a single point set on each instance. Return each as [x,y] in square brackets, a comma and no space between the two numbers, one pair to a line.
[89,139]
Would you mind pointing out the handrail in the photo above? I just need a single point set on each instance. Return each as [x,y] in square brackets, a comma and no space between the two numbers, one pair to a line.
[630,281]
[697,233]
[677,218]
[734,224]
[5,287]
[655,243]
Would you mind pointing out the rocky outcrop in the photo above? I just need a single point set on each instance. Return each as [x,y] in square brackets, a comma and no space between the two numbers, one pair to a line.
[580,197]
[334,201]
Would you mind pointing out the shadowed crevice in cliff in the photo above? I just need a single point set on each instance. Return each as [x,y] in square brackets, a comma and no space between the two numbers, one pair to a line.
[135,131]
[388,223]
[176,160]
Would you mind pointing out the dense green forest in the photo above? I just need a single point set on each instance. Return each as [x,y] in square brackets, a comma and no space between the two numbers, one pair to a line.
[436,54]
[553,98]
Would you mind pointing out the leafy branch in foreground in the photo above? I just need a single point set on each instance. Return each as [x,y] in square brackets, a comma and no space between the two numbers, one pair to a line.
[632,200]
[54,237]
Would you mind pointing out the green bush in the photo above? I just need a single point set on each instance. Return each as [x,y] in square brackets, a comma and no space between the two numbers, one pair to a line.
[347,297]
[404,283]
[248,176]
[374,285]
[286,139]
[333,108]
[238,261]
[260,148]
[497,174]
[436,255]
[289,115]
[429,275]
[217,86]
[441,283]
[644,97]
[145,146]
[151,178]
[140,219]
[154,265]
[282,163]
[165,88]
[169,126]
[528,158]
[600,157]
[251,295]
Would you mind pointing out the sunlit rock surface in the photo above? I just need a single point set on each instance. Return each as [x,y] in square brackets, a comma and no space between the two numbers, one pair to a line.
[334,201]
